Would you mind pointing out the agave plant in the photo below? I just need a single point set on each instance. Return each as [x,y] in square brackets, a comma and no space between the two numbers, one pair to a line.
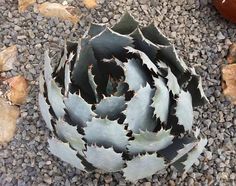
[121,99]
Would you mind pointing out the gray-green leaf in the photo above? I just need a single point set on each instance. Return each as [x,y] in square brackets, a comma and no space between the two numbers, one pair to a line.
[150,141]
[143,166]
[44,109]
[184,110]
[135,75]
[105,159]
[152,33]
[172,83]
[189,159]
[106,133]
[110,107]
[65,153]
[95,29]
[161,100]
[196,90]
[139,114]
[109,43]
[169,56]
[78,109]
[70,134]
[54,92]
[92,83]
[145,60]
[126,25]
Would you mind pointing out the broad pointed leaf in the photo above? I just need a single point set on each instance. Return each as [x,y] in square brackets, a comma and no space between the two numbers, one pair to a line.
[184,163]
[126,25]
[62,60]
[54,92]
[80,72]
[139,112]
[172,83]
[44,109]
[145,60]
[144,45]
[65,153]
[96,29]
[92,83]
[70,134]
[196,90]
[56,99]
[187,147]
[104,159]
[184,110]
[150,141]
[143,166]
[67,80]
[70,49]
[106,133]
[161,100]
[178,148]
[152,33]
[109,44]
[78,109]
[134,74]
[169,56]
[110,107]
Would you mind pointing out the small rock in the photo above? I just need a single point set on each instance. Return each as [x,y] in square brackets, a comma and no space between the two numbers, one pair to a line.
[220,36]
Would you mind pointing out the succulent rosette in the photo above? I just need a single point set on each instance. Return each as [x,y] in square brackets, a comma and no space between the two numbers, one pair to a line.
[120,99]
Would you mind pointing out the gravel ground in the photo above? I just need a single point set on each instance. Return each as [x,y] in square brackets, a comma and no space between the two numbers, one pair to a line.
[202,38]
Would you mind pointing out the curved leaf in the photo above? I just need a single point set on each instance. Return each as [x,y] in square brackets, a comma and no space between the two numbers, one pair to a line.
[178,148]
[196,90]
[172,83]
[95,29]
[80,71]
[184,163]
[53,91]
[78,109]
[144,45]
[139,114]
[152,33]
[169,56]
[126,25]
[63,59]
[143,166]
[184,110]
[105,159]
[65,153]
[70,134]
[56,99]
[186,148]
[106,133]
[92,83]
[109,43]
[110,107]
[150,141]
[145,60]
[67,80]
[161,100]
[44,109]
[134,75]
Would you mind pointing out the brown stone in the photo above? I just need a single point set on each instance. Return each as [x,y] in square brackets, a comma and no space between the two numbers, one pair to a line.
[227,8]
